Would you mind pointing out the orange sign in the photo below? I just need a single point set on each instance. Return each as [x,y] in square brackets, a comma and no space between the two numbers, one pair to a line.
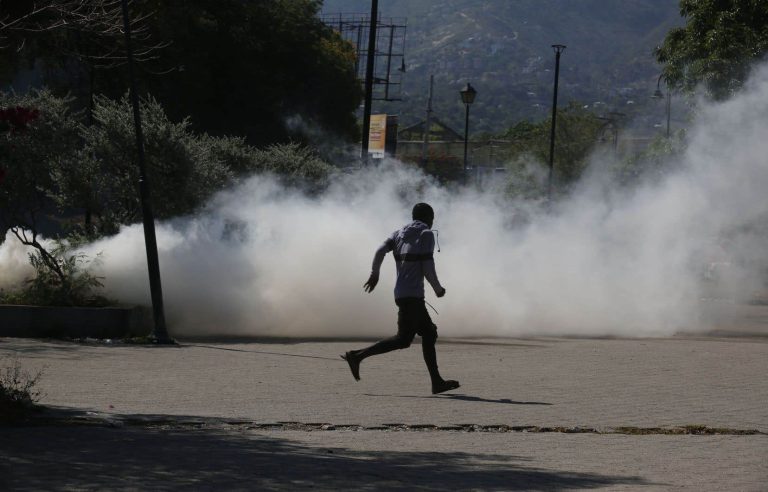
[377,135]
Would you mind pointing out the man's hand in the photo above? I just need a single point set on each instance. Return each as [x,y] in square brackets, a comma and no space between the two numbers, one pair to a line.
[371,283]
[441,292]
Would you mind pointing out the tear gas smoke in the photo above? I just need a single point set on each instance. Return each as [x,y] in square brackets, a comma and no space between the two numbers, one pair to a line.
[262,260]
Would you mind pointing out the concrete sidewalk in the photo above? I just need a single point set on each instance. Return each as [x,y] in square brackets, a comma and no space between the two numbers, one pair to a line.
[598,385]
[545,382]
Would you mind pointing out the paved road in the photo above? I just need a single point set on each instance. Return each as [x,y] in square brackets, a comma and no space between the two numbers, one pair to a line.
[598,385]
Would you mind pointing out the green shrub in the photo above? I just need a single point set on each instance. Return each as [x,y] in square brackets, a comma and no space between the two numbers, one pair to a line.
[577,133]
[294,163]
[55,166]
[33,152]
[76,287]
[655,162]
[184,169]
[62,278]
[18,392]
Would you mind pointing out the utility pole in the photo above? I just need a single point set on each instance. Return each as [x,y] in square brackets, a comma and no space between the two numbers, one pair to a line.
[468,94]
[160,333]
[370,63]
[669,108]
[428,123]
[559,48]
[389,61]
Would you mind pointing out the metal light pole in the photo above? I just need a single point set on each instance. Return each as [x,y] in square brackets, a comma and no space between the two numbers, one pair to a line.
[160,333]
[370,64]
[427,123]
[468,94]
[660,95]
[559,48]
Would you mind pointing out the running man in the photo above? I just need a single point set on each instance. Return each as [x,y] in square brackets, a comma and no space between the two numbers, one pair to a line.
[413,247]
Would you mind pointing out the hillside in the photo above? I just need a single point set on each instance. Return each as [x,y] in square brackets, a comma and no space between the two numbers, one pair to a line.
[504,49]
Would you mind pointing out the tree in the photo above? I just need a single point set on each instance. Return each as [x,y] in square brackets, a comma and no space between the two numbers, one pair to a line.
[655,162]
[38,138]
[54,165]
[75,44]
[245,68]
[717,46]
[577,133]
[183,169]
[232,67]
[57,173]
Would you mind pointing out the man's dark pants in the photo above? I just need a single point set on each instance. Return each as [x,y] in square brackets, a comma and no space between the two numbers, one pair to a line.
[412,319]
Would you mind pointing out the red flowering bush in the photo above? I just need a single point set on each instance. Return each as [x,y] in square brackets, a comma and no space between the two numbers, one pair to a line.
[14,120]
[18,118]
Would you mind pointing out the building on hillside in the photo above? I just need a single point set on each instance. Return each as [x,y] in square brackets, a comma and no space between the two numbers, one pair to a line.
[442,152]
[438,132]
[439,150]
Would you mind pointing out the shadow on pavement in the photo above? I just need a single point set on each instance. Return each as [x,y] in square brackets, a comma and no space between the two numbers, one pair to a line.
[67,458]
[458,396]
[454,396]
[499,342]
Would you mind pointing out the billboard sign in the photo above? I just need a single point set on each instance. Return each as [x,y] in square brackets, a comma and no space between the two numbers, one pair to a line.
[378,136]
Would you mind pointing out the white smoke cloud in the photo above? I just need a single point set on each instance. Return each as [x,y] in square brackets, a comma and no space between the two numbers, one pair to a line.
[263,260]
[14,263]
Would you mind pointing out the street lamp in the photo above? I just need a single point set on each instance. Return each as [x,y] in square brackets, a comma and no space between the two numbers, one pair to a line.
[660,95]
[468,94]
[559,48]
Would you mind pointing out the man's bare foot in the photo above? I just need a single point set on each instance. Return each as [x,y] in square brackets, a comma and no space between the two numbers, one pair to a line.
[354,364]
[444,386]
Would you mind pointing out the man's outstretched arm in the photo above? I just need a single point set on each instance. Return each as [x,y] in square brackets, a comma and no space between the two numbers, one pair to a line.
[431,275]
[378,258]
